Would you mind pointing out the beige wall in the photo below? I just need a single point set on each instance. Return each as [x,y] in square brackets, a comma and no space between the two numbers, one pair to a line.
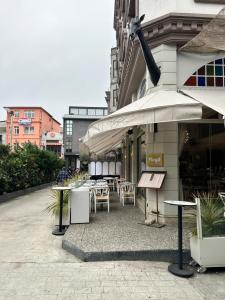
[156,8]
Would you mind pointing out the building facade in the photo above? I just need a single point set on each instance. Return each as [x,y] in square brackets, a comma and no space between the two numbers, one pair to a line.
[75,125]
[177,126]
[193,154]
[34,125]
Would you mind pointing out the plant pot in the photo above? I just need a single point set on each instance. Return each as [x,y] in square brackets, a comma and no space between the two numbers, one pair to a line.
[208,252]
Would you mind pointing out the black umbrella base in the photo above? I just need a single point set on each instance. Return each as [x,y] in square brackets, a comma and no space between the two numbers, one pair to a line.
[184,272]
[58,232]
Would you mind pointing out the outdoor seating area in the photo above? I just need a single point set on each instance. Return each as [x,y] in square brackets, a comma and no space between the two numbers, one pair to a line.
[101,190]
[122,234]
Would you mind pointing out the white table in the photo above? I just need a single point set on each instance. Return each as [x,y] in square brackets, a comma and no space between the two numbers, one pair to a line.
[179,269]
[61,189]
[80,205]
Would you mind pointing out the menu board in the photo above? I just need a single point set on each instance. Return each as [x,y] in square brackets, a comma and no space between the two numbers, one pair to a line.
[152,180]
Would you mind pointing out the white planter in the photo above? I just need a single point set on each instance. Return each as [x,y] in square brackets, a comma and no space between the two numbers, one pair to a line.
[208,252]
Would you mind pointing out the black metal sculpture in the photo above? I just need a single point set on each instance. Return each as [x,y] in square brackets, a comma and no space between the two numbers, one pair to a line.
[136,30]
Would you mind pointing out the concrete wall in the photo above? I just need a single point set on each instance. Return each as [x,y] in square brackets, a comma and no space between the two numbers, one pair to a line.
[166,58]
[79,130]
[156,8]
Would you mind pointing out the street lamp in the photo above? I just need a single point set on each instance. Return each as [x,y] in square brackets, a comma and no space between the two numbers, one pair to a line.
[11,114]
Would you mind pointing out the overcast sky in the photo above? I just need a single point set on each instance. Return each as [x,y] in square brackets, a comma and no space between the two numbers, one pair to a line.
[55,53]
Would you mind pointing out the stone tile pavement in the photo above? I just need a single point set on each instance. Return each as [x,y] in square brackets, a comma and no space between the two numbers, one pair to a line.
[33,266]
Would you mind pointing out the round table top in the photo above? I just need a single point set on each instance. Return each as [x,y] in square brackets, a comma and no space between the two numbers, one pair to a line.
[61,188]
[180,203]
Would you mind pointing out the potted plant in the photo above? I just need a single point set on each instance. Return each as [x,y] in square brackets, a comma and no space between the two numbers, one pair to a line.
[54,207]
[207,242]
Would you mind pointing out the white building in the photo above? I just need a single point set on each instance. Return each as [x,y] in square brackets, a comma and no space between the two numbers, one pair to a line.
[179,123]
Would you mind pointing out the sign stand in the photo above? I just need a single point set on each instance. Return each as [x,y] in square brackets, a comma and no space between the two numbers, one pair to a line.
[153,180]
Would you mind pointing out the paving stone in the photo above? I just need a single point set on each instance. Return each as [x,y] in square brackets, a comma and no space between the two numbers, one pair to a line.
[34,267]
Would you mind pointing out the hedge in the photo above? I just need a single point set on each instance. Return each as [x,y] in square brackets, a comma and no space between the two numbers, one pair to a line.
[26,167]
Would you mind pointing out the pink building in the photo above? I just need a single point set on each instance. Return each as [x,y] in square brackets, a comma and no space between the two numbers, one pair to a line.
[29,124]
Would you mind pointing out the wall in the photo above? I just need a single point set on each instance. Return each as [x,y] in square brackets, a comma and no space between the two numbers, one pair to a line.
[164,141]
[48,123]
[79,130]
[166,58]
[41,122]
[156,8]
[22,138]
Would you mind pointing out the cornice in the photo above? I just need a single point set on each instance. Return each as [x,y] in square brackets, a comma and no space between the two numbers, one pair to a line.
[169,29]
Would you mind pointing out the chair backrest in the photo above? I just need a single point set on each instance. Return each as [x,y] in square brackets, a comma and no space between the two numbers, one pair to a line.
[128,187]
[101,191]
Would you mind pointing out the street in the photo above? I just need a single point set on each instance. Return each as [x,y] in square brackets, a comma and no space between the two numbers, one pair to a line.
[33,265]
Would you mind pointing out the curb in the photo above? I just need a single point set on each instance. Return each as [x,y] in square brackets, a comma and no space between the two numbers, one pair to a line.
[164,255]
[13,195]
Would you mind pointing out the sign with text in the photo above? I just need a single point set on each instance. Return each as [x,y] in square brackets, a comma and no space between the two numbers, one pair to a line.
[155,160]
[25,121]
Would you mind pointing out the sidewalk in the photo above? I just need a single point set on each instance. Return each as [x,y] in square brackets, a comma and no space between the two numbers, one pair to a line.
[33,266]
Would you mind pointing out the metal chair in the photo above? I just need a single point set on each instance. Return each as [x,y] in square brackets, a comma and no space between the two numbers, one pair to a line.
[127,192]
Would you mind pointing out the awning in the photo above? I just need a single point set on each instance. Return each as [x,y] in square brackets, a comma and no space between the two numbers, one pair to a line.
[210,39]
[214,99]
[161,106]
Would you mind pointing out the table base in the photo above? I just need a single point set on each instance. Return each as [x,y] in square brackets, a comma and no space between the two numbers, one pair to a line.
[175,270]
[157,225]
[58,232]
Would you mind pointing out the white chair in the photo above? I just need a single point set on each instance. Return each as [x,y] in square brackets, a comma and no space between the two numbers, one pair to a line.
[119,182]
[101,196]
[127,192]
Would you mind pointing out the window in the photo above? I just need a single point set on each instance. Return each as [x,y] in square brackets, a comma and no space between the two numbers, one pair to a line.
[99,112]
[16,114]
[91,112]
[68,146]
[115,68]
[29,114]
[105,112]
[115,97]
[82,111]
[210,75]
[69,127]
[28,130]
[74,111]
[142,89]
[16,130]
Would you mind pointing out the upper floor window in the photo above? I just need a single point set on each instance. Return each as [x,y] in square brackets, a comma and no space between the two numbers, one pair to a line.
[91,111]
[82,111]
[16,114]
[142,89]
[29,130]
[74,111]
[115,68]
[69,127]
[99,112]
[16,130]
[115,92]
[29,114]
[210,75]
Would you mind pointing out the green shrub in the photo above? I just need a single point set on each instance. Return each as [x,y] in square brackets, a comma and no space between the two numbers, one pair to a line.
[26,167]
